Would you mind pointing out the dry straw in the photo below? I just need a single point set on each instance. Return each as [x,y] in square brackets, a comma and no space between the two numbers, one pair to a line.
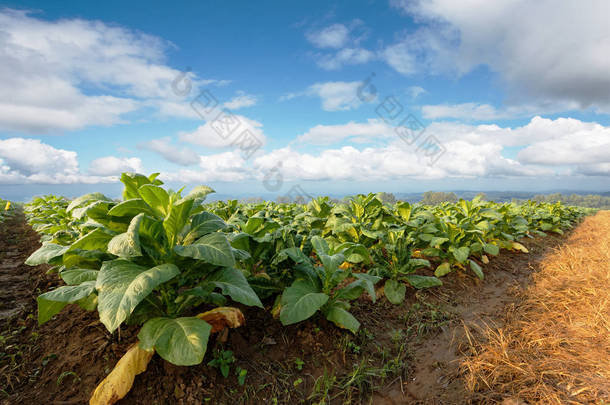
[555,345]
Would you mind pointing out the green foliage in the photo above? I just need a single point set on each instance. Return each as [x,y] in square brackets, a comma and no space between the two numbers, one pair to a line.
[157,257]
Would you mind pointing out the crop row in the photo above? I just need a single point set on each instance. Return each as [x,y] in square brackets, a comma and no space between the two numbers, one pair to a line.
[157,258]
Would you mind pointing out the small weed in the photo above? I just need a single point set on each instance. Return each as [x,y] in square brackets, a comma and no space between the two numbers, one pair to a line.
[222,360]
[299,363]
[241,375]
[66,374]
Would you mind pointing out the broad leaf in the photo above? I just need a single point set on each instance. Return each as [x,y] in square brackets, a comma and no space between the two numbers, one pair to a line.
[122,285]
[213,248]
[130,208]
[394,291]
[442,270]
[300,301]
[343,319]
[233,283]
[461,254]
[77,276]
[420,282]
[156,197]
[198,193]
[52,302]
[95,240]
[127,244]
[181,341]
[176,220]
[45,254]
[476,269]
[491,249]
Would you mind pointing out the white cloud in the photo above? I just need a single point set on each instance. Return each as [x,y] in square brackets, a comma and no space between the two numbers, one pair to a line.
[335,96]
[564,59]
[487,112]
[346,56]
[179,155]
[214,135]
[227,166]
[112,166]
[359,132]
[333,36]
[242,100]
[31,161]
[47,64]
[415,91]
[394,161]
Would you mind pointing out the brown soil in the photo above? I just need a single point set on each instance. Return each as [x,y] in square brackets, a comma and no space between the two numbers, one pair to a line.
[402,354]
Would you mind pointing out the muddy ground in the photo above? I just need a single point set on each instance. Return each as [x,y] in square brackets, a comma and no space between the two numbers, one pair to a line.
[406,354]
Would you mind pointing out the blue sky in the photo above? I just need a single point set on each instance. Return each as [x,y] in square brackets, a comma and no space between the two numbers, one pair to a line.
[513,94]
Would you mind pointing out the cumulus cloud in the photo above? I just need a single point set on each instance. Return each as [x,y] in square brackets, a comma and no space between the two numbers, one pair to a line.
[333,36]
[394,161]
[32,161]
[112,166]
[215,134]
[352,131]
[46,64]
[564,58]
[180,155]
[226,166]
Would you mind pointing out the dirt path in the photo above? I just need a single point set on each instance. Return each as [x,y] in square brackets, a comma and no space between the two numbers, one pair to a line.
[554,346]
[403,354]
[436,376]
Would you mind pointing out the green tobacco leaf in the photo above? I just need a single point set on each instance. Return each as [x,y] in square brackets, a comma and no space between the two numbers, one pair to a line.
[395,291]
[133,182]
[198,193]
[52,302]
[420,282]
[122,285]
[233,283]
[300,301]
[156,197]
[45,254]
[87,197]
[319,245]
[77,276]
[127,244]
[176,220]
[368,282]
[95,240]
[205,223]
[181,341]
[130,208]
[442,270]
[461,254]
[213,248]
[343,319]
[491,249]
[351,291]
[476,269]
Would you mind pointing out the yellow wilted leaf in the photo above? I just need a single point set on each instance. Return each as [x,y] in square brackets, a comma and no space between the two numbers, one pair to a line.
[223,317]
[118,383]
[485,259]
[345,265]
[518,246]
